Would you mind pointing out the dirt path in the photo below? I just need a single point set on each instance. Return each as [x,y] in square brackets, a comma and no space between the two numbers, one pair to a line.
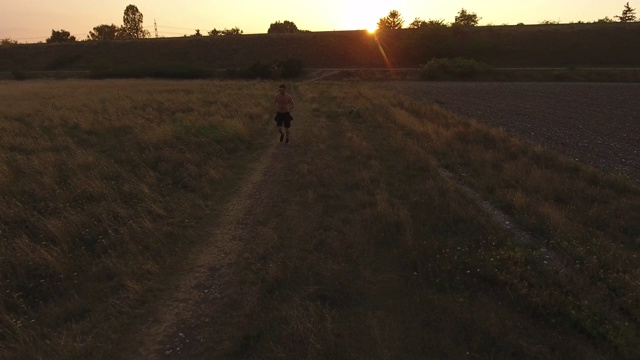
[210,293]
[178,325]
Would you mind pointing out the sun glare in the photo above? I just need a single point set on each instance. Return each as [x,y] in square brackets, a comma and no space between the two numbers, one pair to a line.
[359,15]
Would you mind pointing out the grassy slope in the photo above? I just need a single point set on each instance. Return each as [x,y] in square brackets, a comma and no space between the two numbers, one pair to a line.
[608,45]
[375,253]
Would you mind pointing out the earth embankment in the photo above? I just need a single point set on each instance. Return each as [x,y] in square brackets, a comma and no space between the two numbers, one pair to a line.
[558,45]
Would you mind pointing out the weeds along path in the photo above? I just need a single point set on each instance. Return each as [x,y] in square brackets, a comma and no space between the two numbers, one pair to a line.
[546,257]
[207,278]
[211,299]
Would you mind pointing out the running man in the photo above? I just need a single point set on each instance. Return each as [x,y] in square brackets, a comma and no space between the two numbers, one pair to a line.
[283,105]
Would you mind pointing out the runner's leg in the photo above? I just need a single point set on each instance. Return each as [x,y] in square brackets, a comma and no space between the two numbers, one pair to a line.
[287,125]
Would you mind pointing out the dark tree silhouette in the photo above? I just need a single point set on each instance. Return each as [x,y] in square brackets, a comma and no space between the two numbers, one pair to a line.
[628,14]
[60,36]
[421,24]
[392,21]
[465,18]
[283,27]
[234,31]
[8,41]
[104,32]
[132,24]
[605,19]
[417,23]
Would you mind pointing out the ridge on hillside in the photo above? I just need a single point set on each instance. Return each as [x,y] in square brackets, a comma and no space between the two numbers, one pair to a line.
[563,45]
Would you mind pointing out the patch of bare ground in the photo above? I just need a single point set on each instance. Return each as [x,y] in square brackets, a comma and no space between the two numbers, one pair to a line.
[210,293]
[217,288]
[595,123]
[208,283]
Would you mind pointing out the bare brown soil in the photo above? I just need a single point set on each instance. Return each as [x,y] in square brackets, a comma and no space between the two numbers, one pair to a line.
[595,123]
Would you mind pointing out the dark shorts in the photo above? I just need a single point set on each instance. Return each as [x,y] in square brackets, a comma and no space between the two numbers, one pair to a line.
[283,119]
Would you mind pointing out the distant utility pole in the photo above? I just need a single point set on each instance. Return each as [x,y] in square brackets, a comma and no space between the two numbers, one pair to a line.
[155,26]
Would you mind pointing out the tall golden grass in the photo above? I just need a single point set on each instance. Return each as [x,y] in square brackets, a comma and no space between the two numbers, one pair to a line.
[366,248]
[103,183]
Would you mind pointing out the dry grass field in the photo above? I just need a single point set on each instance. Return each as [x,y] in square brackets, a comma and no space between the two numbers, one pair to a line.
[163,219]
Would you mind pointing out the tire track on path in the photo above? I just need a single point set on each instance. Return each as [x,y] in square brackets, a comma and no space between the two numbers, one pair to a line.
[210,293]
[172,329]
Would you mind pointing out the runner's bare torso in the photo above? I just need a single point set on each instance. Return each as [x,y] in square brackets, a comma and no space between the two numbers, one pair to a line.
[283,102]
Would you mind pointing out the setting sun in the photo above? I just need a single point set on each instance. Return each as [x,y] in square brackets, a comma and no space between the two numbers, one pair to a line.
[363,16]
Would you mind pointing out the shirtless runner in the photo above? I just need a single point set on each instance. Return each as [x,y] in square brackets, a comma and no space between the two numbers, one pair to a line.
[283,105]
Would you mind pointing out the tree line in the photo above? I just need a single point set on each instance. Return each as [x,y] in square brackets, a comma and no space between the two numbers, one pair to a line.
[394,20]
[132,26]
[132,29]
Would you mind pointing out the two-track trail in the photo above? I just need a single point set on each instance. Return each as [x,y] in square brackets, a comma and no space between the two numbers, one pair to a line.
[209,300]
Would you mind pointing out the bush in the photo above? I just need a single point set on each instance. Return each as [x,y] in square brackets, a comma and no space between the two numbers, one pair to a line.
[102,70]
[290,68]
[260,70]
[287,69]
[457,68]
[63,61]
[19,74]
